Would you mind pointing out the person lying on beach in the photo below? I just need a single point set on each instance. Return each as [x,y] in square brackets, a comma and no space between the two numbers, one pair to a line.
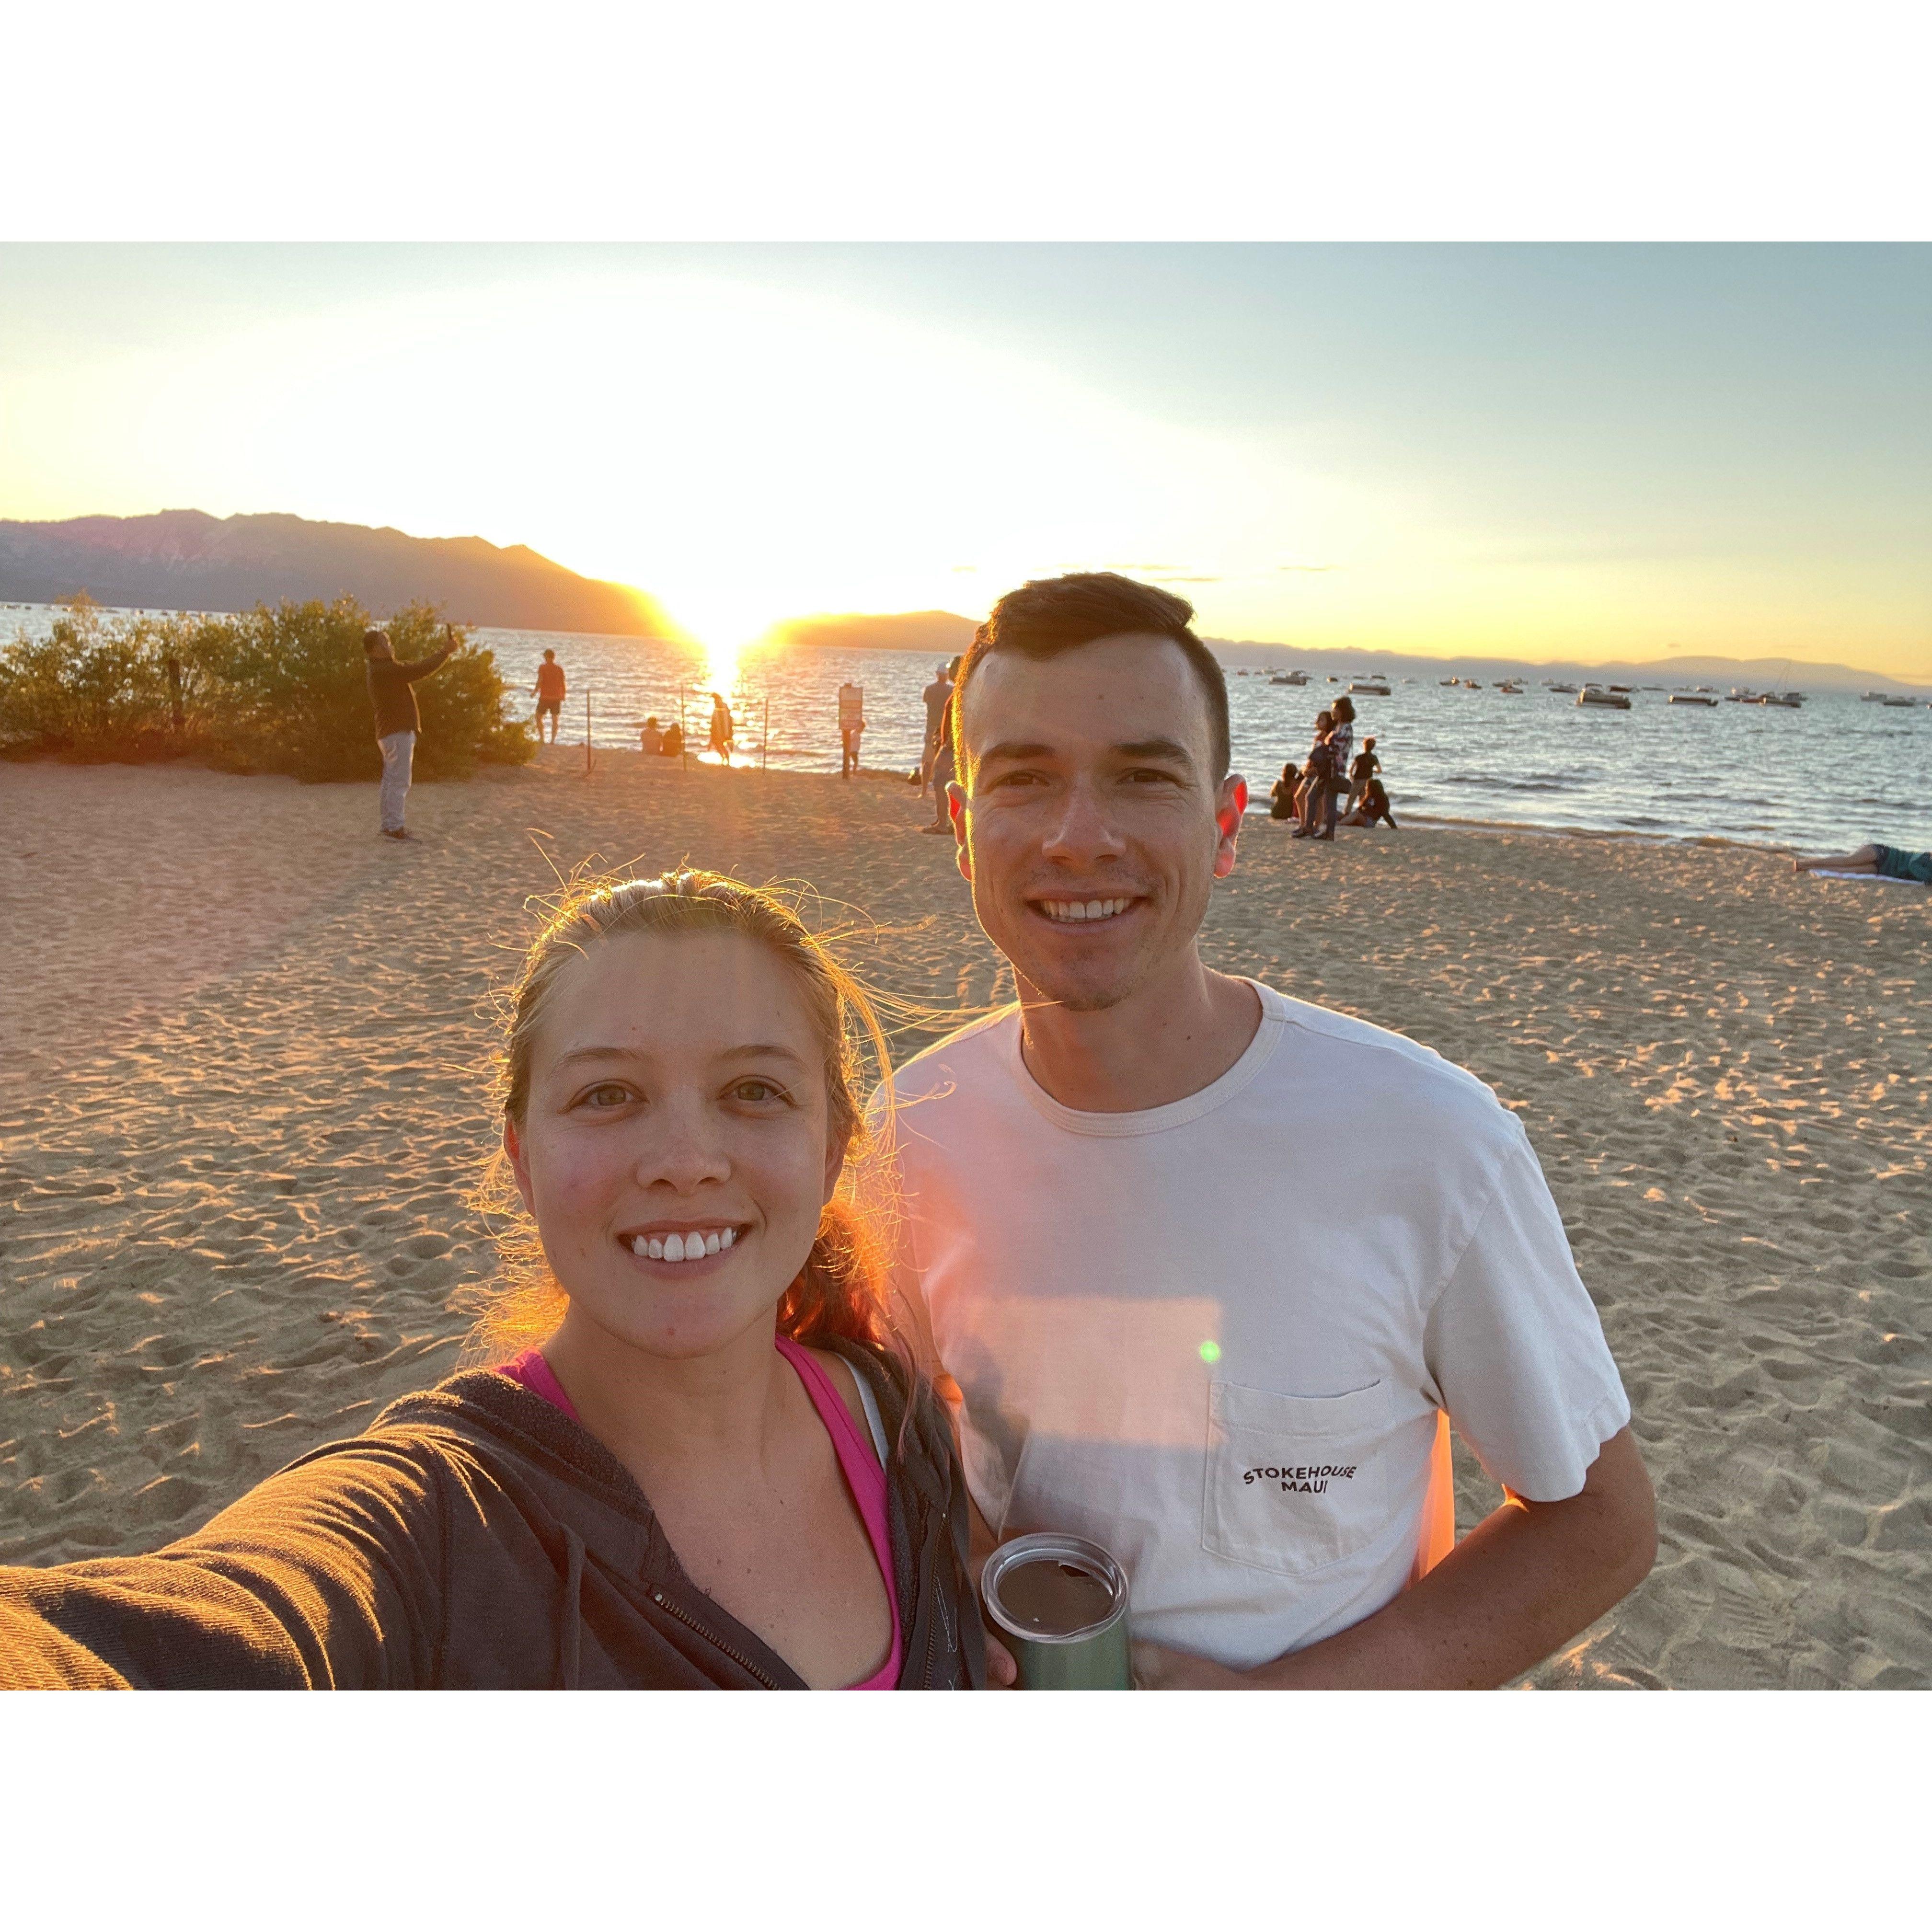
[1173,1333]
[716,1469]
[1886,861]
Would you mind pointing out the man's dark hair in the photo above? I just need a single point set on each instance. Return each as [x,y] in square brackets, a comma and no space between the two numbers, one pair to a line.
[374,635]
[1053,614]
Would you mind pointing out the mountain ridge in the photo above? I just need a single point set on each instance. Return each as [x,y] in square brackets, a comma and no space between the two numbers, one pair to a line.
[187,559]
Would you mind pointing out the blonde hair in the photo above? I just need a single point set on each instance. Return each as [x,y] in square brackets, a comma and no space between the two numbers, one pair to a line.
[839,1290]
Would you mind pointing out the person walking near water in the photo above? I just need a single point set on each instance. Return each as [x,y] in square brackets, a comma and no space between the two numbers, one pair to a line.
[936,693]
[549,689]
[398,720]
[721,728]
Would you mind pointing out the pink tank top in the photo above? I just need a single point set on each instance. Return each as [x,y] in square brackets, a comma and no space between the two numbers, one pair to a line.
[858,1460]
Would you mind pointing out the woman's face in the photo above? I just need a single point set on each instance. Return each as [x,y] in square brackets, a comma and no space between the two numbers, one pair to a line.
[677,1107]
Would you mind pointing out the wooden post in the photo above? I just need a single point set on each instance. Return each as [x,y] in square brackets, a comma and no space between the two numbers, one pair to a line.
[765,742]
[587,734]
[683,736]
[174,693]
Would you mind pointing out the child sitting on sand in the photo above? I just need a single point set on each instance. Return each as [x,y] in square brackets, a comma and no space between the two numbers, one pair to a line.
[714,1469]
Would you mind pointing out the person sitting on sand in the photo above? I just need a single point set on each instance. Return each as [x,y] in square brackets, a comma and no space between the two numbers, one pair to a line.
[673,740]
[1281,793]
[650,738]
[721,728]
[1884,861]
[714,1469]
[1373,808]
[1107,1182]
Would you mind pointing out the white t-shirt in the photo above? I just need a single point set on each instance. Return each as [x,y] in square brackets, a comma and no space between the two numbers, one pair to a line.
[1223,1337]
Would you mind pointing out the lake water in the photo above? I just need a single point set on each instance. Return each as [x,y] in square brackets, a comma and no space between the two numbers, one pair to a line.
[1836,773]
[1839,770]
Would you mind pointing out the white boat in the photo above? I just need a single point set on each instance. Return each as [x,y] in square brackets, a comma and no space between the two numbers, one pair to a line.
[1690,698]
[1363,687]
[1450,683]
[1609,701]
[1875,697]
[1786,700]
[1568,690]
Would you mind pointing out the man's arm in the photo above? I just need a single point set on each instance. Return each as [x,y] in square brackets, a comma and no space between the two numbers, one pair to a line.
[435,661]
[1525,1581]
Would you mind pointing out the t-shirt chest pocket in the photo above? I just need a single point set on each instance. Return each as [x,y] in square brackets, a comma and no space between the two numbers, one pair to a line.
[1294,1482]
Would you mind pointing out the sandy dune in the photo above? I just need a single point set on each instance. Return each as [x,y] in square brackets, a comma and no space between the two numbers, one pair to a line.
[241,1102]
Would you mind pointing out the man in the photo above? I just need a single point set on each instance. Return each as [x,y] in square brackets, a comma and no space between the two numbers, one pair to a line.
[936,693]
[1175,1332]
[397,720]
[1365,767]
[550,690]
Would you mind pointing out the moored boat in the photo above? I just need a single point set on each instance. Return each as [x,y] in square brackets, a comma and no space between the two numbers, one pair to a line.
[1596,696]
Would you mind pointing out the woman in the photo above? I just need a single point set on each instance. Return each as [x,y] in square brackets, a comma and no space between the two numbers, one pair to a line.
[714,1470]
[1281,794]
[1315,775]
[1341,745]
[1374,807]
[722,727]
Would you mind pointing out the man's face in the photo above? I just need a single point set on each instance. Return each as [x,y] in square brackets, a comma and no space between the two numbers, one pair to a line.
[380,649]
[1088,819]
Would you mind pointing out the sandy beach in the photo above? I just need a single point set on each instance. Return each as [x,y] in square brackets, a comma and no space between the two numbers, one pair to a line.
[242,1099]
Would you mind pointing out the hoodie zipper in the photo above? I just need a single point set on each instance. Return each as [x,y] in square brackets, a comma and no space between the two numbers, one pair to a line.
[664,1603]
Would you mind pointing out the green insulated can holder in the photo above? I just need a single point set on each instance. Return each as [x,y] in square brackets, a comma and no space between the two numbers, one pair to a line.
[1092,1656]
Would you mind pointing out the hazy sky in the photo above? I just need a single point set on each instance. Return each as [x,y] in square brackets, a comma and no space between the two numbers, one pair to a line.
[1535,451]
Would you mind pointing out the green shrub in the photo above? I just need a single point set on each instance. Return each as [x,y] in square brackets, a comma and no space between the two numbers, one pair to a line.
[265,691]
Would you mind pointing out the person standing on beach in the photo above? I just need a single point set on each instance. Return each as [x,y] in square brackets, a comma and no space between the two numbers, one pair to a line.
[1365,766]
[1341,743]
[851,727]
[1315,776]
[700,1457]
[1109,1206]
[550,690]
[398,720]
[722,727]
[936,693]
[941,770]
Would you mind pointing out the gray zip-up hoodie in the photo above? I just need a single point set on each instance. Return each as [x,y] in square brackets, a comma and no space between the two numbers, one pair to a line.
[475,1537]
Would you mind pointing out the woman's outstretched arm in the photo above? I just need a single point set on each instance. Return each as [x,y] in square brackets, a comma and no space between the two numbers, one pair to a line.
[325,1575]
